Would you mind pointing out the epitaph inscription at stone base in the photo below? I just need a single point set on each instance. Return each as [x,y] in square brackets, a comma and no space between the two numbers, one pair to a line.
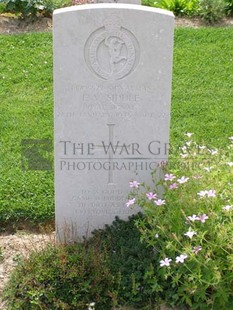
[112,88]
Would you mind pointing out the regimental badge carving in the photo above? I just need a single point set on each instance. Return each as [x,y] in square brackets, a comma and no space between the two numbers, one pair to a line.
[112,52]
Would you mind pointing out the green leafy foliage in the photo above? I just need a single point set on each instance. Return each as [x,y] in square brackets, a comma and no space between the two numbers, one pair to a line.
[24,7]
[32,8]
[229,7]
[68,277]
[113,268]
[2,7]
[130,261]
[179,7]
[212,10]
[191,227]
[51,5]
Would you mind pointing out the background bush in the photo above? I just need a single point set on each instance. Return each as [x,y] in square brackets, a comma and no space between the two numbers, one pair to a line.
[25,8]
[68,277]
[212,10]
[179,7]
[229,7]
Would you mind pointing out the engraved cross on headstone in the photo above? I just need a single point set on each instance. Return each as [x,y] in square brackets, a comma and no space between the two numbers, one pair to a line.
[110,151]
[110,172]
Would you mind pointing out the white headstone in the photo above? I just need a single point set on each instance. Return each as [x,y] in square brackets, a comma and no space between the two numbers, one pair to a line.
[112,88]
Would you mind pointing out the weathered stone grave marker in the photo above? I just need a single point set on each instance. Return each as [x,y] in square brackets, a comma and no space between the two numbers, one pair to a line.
[112,88]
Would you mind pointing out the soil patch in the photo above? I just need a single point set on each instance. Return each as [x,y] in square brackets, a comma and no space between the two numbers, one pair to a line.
[14,247]
[14,25]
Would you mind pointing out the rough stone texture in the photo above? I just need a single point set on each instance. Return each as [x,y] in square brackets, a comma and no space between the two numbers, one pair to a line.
[112,74]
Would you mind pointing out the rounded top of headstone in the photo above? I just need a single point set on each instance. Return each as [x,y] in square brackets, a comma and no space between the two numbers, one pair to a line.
[118,6]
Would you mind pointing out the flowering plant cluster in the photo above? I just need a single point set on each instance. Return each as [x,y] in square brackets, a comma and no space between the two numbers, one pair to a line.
[188,222]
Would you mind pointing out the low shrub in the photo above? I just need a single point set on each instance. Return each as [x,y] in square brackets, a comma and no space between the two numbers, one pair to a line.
[212,11]
[2,7]
[111,269]
[179,7]
[33,8]
[70,277]
[24,7]
[51,5]
[229,7]
[130,261]
[190,227]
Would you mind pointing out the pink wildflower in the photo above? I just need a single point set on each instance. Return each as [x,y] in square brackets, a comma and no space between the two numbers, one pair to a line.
[169,177]
[130,202]
[190,234]
[173,186]
[202,218]
[193,218]
[211,193]
[227,208]
[151,196]
[202,194]
[159,202]
[197,249]
[182,180]
[181,258]
[134,184]
[165,262]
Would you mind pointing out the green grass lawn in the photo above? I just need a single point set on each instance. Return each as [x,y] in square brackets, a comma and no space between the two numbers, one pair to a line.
[202,102]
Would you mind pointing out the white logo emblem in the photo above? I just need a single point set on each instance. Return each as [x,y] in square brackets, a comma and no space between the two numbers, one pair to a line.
[112,52]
